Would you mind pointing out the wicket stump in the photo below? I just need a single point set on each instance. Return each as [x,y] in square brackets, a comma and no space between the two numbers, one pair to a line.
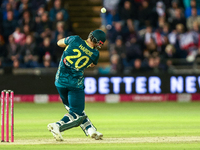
[7,96]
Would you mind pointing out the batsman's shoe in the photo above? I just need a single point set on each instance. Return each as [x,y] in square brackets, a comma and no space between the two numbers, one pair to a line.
[98,136]
[54,129]
[94,134]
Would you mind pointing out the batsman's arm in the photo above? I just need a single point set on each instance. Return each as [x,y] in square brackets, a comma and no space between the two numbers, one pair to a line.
[92,65]
[61,43]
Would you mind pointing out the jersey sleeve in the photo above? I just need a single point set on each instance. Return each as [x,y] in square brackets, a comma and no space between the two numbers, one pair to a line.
[96,60]
[69,39]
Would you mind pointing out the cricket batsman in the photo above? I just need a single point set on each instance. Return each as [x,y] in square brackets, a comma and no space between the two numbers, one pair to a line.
[69,81]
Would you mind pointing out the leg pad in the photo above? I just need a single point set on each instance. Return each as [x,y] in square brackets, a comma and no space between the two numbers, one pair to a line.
[75,123]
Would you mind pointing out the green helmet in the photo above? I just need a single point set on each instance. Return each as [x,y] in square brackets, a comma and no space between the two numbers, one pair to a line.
[98,37]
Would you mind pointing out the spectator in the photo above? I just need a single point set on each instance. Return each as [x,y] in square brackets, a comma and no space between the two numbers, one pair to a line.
[25,5]
[13,50]
[128,15]
[165,29]
[146,16]
[160,9]
[27,20]
[12,2]
[47,63]
[59,18]
[19,36]
[153,65]
[172,36]
[119,48]
[179,19]
[148,34]
[9,8]
[170,52]
[168,55]
[28,28]
[151,47]
[137,66]
[111,12]
[39,13]
[188,10]
[192,19]
[127,12]
[149,65]
[60,29]
[116,30]
[195,27]
[132,32]
[161,22]
[57,8]
[151,41]
[159,67]
[29,52]
[170,67]
[44,27]
[115,64]
[133,50]
[159,39]
[9,25]
[187,42]
[47,47]
[47,60]
[27,31]
[172,10]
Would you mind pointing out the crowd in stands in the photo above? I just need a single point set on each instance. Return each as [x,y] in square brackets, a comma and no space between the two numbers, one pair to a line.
[147,35]
[143,35]
[29,30]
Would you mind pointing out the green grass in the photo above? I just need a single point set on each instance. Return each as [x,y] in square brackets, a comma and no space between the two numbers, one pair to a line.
[115,121]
